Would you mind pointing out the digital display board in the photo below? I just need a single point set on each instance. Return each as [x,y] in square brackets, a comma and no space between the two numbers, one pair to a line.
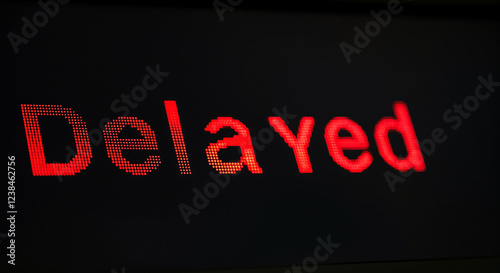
[158,138]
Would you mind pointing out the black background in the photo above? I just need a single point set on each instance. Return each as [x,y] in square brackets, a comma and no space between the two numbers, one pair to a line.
[253,61]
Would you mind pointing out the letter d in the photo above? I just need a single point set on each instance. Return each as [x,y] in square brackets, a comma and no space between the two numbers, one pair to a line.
[40,167]
[403,125]
[359,34]
[198,196]
[29,30]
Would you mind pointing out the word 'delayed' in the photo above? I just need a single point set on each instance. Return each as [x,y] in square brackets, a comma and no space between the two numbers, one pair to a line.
[298,142]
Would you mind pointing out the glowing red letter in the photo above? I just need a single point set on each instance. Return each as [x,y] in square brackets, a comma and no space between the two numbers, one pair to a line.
[242,140]
[177,136]
[114,145]
[37,155]
[357,141]
[402,124]
[300,143]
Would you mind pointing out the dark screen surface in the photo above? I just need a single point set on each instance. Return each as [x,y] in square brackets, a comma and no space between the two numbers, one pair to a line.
[252,65]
